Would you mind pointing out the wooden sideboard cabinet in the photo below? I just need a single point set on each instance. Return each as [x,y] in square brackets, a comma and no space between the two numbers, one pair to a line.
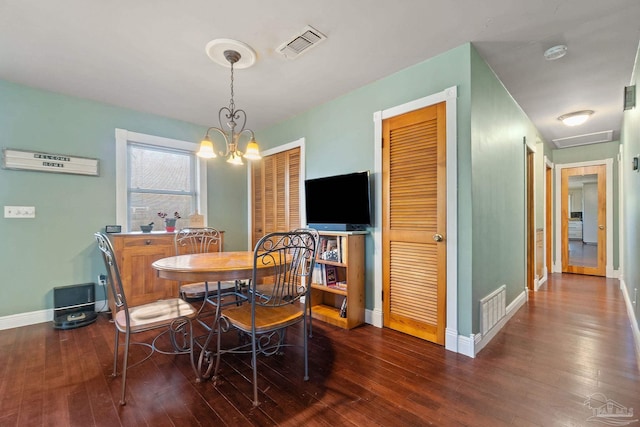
[135,253]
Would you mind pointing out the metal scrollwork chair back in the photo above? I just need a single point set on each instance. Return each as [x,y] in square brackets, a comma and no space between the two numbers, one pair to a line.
[197,241]
[274,301]
[171,316]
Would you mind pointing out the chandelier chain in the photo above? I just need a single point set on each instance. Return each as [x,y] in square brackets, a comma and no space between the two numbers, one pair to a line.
[232,105]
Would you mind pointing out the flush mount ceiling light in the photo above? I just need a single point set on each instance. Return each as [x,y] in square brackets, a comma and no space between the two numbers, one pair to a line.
[576,118]
[228,52]
[555,52]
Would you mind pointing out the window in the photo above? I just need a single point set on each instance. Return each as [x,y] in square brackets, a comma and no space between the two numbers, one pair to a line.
[155,174]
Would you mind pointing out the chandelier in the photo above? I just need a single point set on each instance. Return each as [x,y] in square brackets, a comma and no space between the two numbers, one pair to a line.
[232,121]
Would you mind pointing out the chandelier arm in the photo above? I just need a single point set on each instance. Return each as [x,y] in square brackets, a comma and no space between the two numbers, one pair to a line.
[253,137]
[226,139]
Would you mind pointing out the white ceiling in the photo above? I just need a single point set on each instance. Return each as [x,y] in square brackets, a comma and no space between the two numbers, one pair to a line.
[149,55]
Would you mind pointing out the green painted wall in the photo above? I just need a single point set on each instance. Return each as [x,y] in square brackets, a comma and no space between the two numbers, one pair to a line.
[498,129]
[339,134]
[57,247]
[339,138]
[605,150]
[630,139]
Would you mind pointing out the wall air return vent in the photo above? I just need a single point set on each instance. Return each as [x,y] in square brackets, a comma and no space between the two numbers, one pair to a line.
[301,43]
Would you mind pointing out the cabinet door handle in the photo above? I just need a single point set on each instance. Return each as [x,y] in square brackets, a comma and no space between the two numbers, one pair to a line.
[601,227]
[147,242]
[438,237]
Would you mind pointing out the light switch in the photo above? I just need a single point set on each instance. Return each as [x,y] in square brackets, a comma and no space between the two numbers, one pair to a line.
[19,211]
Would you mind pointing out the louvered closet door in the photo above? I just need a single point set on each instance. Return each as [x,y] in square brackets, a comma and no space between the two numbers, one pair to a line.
[276,193]
[414,223]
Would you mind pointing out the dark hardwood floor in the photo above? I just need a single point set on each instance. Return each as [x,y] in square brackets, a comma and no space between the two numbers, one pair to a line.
[571,341]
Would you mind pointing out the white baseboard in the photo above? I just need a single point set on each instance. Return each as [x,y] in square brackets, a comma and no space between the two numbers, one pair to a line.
[632,317]
[25,319]
[541,281]
[479,341]
[466,345]
[39,316]
[451,340]
[373,317]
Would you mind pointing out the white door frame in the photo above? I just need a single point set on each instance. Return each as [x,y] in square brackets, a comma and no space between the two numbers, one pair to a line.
[608,163]
[374,316]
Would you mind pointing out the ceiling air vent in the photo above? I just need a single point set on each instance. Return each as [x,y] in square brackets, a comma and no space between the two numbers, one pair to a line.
[589,138]
[301,43]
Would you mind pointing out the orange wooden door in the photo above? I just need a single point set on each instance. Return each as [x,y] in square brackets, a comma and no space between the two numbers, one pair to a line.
[576,249]
[414,222]
[548,217]
[531,226]
[276,193]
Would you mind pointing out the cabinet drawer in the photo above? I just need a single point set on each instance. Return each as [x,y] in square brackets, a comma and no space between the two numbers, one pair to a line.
[147,241]
[143,240]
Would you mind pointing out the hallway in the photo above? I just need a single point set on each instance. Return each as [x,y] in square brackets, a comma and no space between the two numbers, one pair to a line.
[575,338]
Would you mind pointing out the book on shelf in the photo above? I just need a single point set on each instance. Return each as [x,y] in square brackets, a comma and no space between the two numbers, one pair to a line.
[339,285]
[317,277]
[332,248]
[343,308]
[330,275]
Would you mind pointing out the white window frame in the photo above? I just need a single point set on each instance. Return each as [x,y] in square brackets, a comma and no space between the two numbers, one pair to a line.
[123,138]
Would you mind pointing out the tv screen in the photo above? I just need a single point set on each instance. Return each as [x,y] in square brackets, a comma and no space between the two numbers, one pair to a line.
[339,202]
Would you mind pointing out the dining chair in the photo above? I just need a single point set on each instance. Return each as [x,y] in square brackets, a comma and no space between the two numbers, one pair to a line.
[269,311]
[195,241]
[316,236]
[172,317]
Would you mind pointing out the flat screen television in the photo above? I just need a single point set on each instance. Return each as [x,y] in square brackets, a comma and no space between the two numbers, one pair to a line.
[339,202]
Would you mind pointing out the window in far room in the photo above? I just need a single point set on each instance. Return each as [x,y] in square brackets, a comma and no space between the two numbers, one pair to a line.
[156,174]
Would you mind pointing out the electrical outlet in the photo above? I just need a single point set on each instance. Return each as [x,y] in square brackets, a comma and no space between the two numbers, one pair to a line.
[19,211]
[102,280]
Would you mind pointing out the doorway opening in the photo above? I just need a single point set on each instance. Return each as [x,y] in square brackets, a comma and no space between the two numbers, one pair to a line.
[584,220]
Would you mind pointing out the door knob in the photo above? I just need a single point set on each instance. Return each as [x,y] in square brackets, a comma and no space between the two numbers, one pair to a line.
[601,227]
[438,237]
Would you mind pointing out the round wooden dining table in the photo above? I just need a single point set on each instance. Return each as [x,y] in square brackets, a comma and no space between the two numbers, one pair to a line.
[212,267]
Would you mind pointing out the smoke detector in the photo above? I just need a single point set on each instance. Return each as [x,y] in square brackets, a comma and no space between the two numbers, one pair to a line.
[555,52]
[301,43]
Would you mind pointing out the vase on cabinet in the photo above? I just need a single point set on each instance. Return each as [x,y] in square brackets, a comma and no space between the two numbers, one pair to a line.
[170,224]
